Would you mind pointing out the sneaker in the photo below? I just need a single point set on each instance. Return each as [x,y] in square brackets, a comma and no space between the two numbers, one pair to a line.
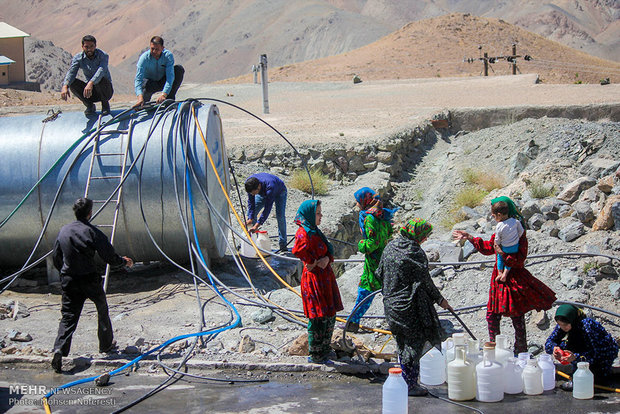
[567,386]
[105,108]
[90,109]
[111,349]
[325,361]
[417,391]
[57,362]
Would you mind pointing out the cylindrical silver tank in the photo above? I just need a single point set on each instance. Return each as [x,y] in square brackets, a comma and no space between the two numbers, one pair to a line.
[29,148]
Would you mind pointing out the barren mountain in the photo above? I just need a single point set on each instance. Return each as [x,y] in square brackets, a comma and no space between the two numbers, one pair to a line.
[218,40]
[437,48]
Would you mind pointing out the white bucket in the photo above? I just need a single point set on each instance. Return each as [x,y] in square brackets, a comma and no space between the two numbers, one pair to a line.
[261,239]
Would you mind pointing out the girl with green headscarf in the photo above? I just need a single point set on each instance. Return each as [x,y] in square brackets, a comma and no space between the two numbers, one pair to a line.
[409,298]
[520,292]
[319,290]
[579,338]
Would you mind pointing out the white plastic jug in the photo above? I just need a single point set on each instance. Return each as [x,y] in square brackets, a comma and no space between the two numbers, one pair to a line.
[395,391]
[532,378]
[583,382]
[433,368]
[461,382]
[513,379]
[545,362]
[473,352]
[451,343]
[502,353]
[523,358]
[489,376]
[261,239]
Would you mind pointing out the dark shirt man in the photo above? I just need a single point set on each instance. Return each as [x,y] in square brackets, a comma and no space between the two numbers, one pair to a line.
[98,88]
[264,190]
[156,72]
[74,254]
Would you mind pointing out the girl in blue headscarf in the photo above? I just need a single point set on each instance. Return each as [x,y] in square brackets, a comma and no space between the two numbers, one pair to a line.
[319,290]
[375,223]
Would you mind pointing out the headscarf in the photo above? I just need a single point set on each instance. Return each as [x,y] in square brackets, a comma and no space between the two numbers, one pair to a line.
[570,312]
[306,218]
[513,211]
[371,204]
[416,229]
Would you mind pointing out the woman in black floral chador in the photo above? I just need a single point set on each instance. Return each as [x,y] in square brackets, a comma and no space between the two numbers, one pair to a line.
[409,295]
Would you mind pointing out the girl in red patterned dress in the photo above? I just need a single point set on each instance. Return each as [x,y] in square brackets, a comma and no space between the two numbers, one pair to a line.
[520,293]
[319,290]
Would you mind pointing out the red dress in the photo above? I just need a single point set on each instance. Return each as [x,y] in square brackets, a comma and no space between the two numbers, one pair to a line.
[521,292]
[319,290]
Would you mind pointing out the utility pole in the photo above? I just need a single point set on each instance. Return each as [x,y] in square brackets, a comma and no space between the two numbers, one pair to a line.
[263,79]
[486,60]
[514,60]
[486,64]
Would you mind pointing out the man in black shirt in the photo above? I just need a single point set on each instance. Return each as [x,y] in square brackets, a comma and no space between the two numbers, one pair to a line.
[74,253]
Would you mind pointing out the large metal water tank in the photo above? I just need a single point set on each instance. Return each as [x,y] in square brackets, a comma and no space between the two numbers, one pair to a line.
[30,148]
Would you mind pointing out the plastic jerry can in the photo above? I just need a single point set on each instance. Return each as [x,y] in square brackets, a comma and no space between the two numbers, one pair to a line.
[395,393]
[583,382]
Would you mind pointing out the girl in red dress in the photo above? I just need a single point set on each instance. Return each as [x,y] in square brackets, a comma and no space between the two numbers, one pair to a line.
[319,290]
[520,293]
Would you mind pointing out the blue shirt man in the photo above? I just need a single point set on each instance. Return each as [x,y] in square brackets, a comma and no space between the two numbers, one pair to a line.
[264,190]
[94,65]
[156,72]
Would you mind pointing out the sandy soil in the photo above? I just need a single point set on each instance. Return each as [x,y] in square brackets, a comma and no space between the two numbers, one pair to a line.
[313,112]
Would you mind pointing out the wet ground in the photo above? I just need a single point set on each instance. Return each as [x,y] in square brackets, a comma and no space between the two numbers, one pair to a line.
[21,391]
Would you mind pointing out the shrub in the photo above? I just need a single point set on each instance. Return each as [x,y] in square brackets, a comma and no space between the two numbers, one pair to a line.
[590,265]
[539,189]
[300,181]
[470,196]
[485,180]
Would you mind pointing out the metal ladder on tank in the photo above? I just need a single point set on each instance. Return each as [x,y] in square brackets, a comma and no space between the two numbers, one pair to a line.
[99,156]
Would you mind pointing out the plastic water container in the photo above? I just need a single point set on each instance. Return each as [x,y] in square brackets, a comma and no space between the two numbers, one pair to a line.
[395,391]
[583,382]
[513,377]
[261,239]
[502,353]
[461,383]
[433,368]
[451,343]
[523,358]
[545,362]
[473,352]
[489,376]
[532,378]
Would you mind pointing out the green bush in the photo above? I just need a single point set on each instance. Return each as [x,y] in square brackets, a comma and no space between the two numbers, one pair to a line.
[470,196]
[538,189]
[300,181]
[486,180]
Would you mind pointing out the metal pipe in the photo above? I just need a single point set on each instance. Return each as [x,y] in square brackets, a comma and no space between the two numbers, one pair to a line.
[29,150]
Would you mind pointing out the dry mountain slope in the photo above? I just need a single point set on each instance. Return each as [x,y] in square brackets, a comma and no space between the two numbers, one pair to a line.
[214,40]
[592,26]
[436,48]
